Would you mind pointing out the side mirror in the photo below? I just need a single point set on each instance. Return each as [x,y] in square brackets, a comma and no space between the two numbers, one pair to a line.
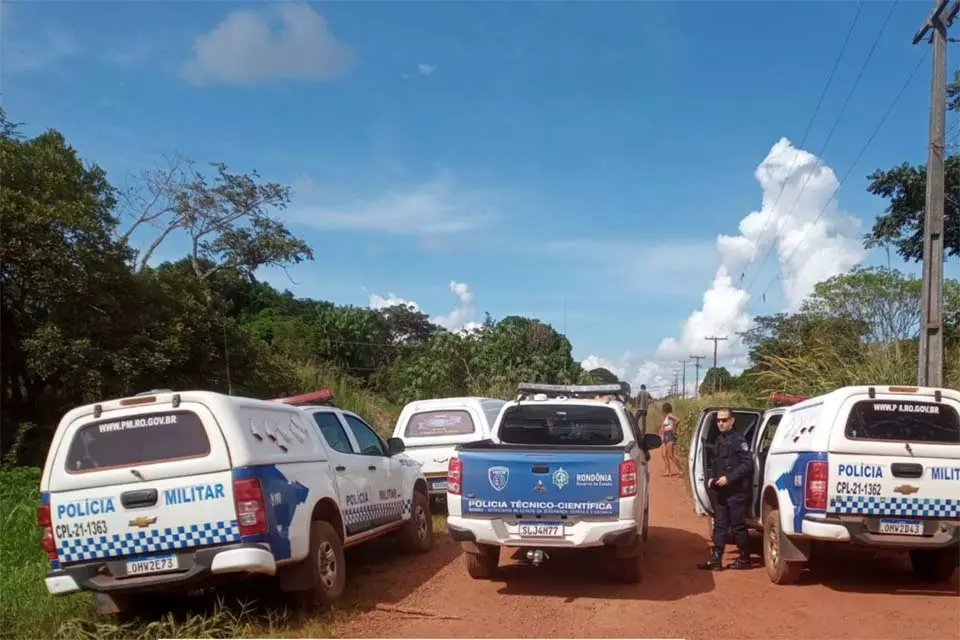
[651,441]
[395,446]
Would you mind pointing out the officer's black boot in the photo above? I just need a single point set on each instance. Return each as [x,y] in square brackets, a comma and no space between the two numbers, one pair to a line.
[742,561]
[715,563]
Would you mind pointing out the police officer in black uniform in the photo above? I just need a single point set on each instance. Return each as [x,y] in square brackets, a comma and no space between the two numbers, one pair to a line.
[729,476]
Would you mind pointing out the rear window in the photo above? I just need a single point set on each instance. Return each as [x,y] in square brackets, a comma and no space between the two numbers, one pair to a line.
[141,439]
[433,424]
[903,421]
[560,425]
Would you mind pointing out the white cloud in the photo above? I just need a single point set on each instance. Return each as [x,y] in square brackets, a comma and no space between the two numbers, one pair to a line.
[425,69]
[33,53]
[379,302]
[433,208]
[814,240]
[462,315]
[460,319]
[245,49]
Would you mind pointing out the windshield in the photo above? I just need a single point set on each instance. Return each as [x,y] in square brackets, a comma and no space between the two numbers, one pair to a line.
[438,424]
[142,439]
[560,425]
[903,421]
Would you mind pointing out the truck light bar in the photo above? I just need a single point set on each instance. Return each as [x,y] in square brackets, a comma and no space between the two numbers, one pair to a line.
[321,397]
[785,399]
[574,390]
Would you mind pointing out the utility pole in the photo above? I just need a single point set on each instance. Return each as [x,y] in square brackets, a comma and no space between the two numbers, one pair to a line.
[930,365]
[696,380]
[683,385]
[716,340]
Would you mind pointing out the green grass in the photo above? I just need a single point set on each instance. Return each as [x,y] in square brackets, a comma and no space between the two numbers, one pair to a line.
[348,393]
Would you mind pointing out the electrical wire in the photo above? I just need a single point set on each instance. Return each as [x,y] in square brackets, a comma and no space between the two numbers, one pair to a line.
[803,140]
[853,165]
[833,130]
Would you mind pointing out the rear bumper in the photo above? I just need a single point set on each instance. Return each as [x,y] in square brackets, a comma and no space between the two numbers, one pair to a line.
[503,533]
[196,567]
[864,531]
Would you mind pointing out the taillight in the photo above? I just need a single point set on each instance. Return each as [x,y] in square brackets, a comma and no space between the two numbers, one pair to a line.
[47,543]
[251,511]
[454,467]
[628,478]
[815,494]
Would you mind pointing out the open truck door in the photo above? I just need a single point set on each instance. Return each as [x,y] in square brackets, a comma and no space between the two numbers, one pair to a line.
[746,421]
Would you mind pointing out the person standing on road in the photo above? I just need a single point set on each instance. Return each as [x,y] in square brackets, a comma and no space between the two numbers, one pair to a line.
[668,434]
[729,472]
[643,404]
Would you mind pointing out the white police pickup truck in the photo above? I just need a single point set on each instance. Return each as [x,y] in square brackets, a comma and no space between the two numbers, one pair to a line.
[560,471]
[875,466]
[431,429]
[172,490]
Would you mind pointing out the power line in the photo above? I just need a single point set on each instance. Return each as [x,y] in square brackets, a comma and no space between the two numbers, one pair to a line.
[803,140]
[716,340]
[826,142]
[852,165]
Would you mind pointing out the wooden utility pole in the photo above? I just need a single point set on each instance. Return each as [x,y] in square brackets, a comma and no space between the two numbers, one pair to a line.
[696,380]
[716,340]
[930,365]
[683,385]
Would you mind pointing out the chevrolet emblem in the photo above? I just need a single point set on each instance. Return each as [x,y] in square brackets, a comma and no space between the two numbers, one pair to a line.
[142,521]
[440,460]
[906,489]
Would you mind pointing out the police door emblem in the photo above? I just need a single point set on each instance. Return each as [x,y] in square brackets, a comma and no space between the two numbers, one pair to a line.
[498,477]
[540,488]
[561,478]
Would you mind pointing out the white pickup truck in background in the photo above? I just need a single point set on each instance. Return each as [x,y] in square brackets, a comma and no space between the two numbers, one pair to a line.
[562,469]
[431,430]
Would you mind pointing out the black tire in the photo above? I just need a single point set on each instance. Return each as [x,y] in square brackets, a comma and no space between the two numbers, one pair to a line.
[935,565]
[645,528]
[327,566]
[778,570]
[483,565]
[416,536]
[628,567]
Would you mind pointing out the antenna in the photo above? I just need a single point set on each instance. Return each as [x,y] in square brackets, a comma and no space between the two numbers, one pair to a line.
[226,356]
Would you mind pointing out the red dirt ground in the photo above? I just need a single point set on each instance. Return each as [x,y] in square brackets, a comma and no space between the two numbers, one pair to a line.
[847,595]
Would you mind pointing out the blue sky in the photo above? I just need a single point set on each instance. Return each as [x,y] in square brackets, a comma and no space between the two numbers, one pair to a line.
[517,158]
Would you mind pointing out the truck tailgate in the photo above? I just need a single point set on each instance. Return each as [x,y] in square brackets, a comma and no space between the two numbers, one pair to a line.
[525,482]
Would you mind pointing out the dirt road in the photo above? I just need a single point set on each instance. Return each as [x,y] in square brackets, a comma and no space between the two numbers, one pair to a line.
[848,596]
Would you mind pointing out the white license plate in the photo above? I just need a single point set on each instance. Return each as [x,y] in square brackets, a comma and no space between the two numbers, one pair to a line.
[440,485]
[541,530]
[153,564]
[902,527]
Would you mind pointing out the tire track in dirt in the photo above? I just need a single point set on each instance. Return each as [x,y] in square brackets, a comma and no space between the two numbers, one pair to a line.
[848,595]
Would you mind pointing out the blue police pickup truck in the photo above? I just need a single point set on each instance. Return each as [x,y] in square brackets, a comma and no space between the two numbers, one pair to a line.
[565,467]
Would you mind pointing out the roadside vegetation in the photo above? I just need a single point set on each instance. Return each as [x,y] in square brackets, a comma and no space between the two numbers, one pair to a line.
[90,311]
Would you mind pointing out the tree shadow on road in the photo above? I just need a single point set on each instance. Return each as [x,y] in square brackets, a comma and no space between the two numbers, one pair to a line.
[852,570]
[670,572]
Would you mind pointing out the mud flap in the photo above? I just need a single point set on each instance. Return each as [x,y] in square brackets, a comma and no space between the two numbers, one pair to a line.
[794,550]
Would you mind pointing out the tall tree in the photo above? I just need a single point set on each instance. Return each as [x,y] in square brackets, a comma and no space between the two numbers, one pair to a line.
[905,186]
[226,220]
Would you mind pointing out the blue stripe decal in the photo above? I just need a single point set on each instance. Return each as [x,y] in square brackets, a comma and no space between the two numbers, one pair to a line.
[794,482]
[281,498]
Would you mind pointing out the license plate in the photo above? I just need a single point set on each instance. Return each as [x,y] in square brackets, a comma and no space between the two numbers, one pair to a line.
[153,564]
[440,485]
[902,527]
[541,530]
